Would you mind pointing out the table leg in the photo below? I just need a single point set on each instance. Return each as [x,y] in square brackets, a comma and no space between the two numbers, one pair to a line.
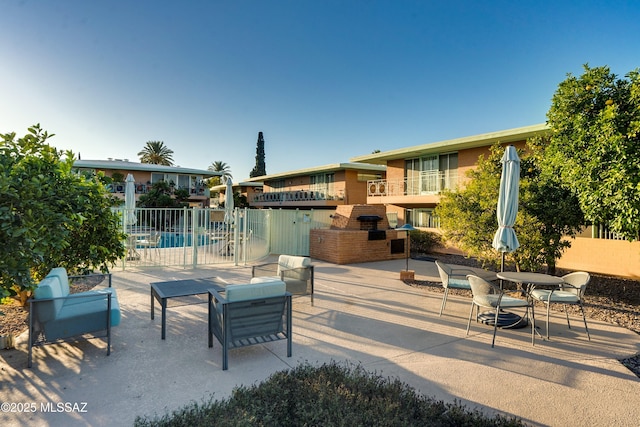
[153,304]
[164,317]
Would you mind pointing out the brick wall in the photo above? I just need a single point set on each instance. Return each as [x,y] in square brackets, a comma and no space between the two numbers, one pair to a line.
[346,216]
[351,246]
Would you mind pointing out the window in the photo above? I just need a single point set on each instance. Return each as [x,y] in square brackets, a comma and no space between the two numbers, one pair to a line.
[431,174]
[277,185]
[183,181]
[322,183]
[424,218]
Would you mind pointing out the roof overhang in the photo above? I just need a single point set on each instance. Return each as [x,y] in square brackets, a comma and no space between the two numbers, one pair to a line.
[481,140]
[366,167]
[124,165]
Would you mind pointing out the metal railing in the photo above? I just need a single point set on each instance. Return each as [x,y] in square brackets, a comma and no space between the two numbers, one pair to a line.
[602,232]
[143,188]
[425,183]
[296,196]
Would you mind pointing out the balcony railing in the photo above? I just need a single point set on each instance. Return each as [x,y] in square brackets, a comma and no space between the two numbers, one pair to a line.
[296,196]
[143,188]
[426,183]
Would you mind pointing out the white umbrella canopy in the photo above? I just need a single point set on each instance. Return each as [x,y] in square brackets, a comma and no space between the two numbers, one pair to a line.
[228,202]
[130,201]
[505,239]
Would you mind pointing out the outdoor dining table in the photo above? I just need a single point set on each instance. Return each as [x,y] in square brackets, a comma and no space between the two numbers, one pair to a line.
[528,281]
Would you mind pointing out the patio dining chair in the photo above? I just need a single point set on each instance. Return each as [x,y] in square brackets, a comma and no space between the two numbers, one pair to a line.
[571,292]
[493,297]
[456,278]
[151,241]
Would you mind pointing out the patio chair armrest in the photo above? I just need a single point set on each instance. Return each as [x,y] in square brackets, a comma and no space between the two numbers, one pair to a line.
[268,269]
[284,270]
[84,276]
[99,293]
[217,296]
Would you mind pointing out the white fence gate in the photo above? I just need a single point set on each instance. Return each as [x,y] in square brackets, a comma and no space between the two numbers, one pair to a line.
[290,229]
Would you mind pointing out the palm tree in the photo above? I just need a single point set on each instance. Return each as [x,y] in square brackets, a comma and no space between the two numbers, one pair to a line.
[157,153]
[218,166]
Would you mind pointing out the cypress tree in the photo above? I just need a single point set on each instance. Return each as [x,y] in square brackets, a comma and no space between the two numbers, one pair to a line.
[260,168]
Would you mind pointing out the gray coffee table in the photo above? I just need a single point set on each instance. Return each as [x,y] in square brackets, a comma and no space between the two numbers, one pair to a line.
[163,291]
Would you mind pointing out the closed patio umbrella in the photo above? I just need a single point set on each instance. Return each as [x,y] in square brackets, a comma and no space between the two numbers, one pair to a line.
[228,203]
[228,215]
[130,201]
[505,239]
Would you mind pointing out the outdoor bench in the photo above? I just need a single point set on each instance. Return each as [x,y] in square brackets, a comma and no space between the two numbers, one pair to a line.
[56,315]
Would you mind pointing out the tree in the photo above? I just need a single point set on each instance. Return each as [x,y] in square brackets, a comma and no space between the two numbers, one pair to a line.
[547,213]
[594,146]
[240,200]
[157,153]
[260,168]
[162,195]
[50,216]
[218,166]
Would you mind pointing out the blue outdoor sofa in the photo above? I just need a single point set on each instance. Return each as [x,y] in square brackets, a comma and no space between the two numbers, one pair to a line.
[56,315]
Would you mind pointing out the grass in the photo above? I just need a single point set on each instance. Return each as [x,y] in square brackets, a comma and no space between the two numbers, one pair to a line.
[327,395]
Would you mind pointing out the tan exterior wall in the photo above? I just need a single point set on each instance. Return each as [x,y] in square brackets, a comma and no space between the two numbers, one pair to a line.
[395,169]
[140,177]
[468,159]
[611,257]
[355,191]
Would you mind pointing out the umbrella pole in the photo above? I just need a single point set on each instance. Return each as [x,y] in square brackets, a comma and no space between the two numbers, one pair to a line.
[502,268]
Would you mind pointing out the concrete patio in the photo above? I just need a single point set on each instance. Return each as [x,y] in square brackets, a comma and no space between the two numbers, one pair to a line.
[364,314]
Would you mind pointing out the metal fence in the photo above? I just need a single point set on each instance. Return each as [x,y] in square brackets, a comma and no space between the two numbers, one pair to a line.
[200,236]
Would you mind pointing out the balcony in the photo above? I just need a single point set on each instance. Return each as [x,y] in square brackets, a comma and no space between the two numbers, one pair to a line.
[424,184]
[144,188]
[293,197]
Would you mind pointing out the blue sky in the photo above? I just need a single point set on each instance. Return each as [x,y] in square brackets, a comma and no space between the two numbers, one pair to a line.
[323,80]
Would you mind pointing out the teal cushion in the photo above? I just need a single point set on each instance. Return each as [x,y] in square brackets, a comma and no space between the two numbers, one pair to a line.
[61,274]
[513,302]
[84,315]
[49,287]
[459,284]
[263,279]
[558,296]
[491,300]
[250,291]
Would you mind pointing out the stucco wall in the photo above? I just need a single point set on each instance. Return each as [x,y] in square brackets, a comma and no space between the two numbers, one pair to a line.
[614,257]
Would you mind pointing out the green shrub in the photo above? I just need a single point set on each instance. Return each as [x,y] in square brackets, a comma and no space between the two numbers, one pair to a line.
[329,395]
[423,242]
